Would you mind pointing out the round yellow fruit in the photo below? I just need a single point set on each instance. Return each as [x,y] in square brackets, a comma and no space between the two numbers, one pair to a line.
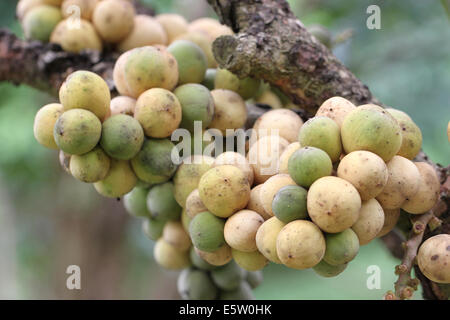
[122,105]
[119,181]
[428,193]
[237,160]
[403,183]
[90,167]
[174,25]
[219,257]
[300,245]
[76,38]
[159,112]
[411,134]
[44,122]
[146,31]
[188,175]
[336,108]
[113,19]
[333,204]
[370,127]
[85,90]
[146,68]
[224,190]
[282,122]
[119,75]
[434,258]
[211,27]
[240,230]
[366,171]
[170,257]
[194,204]
[264,156]
[370,221]
[250,261]
[175,235]
[230,111]
[266,238]
[78,8]
[255,202]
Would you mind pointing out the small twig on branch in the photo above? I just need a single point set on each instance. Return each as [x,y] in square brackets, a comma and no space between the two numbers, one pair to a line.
[406,285]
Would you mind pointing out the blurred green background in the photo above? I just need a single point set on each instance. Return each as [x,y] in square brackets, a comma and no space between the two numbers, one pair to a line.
[49,221]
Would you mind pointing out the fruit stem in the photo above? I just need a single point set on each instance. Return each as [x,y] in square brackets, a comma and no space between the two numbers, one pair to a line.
[405,285]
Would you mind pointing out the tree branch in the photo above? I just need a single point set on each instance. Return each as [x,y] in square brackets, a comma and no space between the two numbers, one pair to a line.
[44,66]
[272,44]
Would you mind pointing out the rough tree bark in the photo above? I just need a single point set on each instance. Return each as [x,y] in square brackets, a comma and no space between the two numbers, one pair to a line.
[270,43]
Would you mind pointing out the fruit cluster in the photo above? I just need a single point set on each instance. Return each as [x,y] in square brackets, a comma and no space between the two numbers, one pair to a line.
[77,25]
[122,145]
[306,195]
[341,179]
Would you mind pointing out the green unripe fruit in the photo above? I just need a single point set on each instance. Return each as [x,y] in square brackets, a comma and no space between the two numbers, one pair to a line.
[371,128]
[122,137]
[153,228]
[308,164]
[162,204]
[229,276]
[411,134]
[198,262]
[191,61]
[206,231]
[118,182]
[246,87]
[153,164]
[90,167]
[243,292]
[327,270]
[40,21]
[196,285]
[254,278]
[197,105]
[341,247]
[250,261]
[44,122]
[77,131]
[86,90]
[210,77]
[135,202]
[322,133]
[289,204]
